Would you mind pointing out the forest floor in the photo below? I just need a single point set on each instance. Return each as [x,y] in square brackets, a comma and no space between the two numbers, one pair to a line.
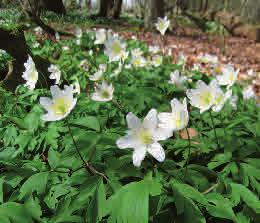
[243,53]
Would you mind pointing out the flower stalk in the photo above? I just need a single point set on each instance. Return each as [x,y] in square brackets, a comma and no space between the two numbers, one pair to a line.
[189,153]
[214,129]
[89,168]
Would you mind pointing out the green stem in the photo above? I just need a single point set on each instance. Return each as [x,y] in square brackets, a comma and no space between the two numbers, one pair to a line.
[118,106]
[223,125]
[189,152]
[86,164]
[215,132]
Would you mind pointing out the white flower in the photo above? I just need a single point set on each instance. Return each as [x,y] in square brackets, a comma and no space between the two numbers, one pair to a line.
[57,36]
[78,32]
[233,101]
[228,77]
[125,55]
[101,36]
[55,73]
[30,74]
[38,30]
[103,92]
[90,52]
[136,52]
[182,59]
[249,93]
[169,53]
[157,60]
[208,58]
[117,71]
[203,97]
[114,48]
[128,66]
[65,48]
[99,74]
[220,99]
[36,45]
[162,25]
[143,137]
[177,119]
[251,73]
[84,65]
[177,79]
[196,67]
[78,42]
[76,87]
[60,105]
[138,61]
[2,52]
[154,49]
[133,37]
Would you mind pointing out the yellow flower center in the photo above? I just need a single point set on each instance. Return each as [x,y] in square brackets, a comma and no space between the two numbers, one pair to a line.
[33,75]
[60,106]
[161,25]
[217,70]
[177,120]
[145,137]
[116,48]
[231,77]
[105,94]
[137,62]
[205,98]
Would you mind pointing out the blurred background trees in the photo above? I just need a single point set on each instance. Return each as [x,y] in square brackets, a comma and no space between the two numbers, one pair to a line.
[238,17]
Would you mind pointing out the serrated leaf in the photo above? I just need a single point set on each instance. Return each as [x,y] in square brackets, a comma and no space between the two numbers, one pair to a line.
[36,182]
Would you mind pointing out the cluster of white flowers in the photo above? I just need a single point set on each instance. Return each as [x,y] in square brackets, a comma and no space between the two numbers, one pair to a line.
[143,136]
[30,75]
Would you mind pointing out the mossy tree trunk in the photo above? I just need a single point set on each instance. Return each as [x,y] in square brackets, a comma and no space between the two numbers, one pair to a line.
[9,41]
[153,10]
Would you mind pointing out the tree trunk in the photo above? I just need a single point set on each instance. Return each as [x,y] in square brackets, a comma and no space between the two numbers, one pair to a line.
[55,6]
[116,11]
[153,9]
[9,40]
[105,6]
[39,5]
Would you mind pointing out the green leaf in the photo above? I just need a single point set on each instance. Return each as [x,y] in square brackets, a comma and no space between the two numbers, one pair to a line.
[239,191]
[36,182]
[220,207]
[186,208]
[53,158]
[15,212]
[189,192]
[33,208]
[97,204]
[89,122]
[130,203]
[1,190]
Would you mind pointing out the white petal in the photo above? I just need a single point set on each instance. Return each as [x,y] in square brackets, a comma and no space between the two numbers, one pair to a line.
[151,120]
[138,156]
[46,102]
[165,120]
[156,151]
[133,122]
[127,141]
[55,91]
[162,134]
